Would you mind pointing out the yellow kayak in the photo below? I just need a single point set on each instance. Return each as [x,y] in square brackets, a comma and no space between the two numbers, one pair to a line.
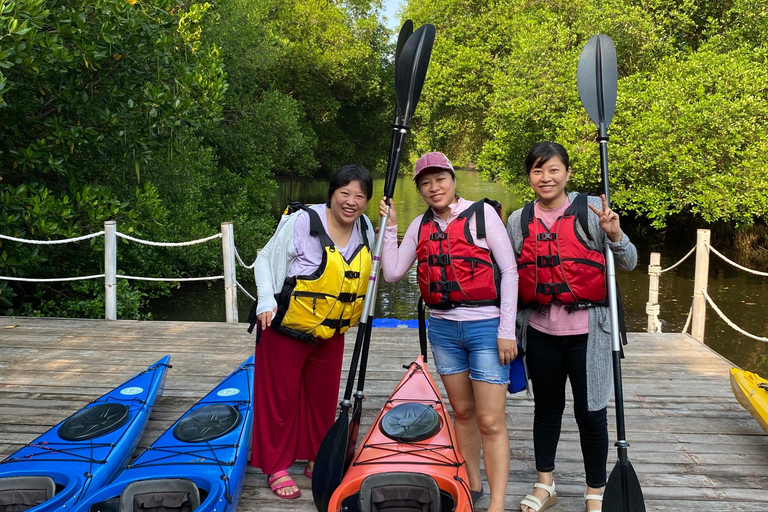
[751,391]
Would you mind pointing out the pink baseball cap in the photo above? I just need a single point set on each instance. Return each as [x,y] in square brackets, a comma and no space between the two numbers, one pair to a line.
[432,161]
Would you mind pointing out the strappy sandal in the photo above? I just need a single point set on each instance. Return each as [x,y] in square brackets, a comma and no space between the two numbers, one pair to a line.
[587,497]
[535,503]
[276,486]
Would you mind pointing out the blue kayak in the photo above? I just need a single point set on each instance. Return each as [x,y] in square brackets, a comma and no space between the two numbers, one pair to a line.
[198,464]
[85,451]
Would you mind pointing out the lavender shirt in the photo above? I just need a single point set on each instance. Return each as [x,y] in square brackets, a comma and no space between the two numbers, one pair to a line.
[397,261]
[309,252]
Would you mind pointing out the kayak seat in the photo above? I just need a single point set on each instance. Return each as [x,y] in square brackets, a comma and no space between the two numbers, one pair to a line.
[160,495]
[94,421]
[19,493]
[399,492]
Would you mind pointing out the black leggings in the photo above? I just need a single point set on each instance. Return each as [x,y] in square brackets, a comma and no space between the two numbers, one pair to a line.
[552,359]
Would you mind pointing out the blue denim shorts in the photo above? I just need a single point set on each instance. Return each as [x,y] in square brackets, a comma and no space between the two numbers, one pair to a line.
[461,346]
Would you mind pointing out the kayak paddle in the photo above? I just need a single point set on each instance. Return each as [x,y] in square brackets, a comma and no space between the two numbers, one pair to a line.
[597,79]
[357,409]
[410,73]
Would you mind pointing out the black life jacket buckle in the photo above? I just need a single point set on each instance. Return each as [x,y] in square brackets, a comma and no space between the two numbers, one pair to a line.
[441,235]
[546,237]
[548,261]
[444,286]
[351,274]
[439,260]
[551,288]
[347,297]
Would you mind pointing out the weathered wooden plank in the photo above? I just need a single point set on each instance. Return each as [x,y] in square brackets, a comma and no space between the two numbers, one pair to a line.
[692,445]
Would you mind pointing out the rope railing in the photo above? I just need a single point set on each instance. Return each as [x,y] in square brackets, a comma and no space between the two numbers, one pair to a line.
[51,242]
[167,244]
[697,314]
[729,322]
[740,267]
[693,249]
[110,275]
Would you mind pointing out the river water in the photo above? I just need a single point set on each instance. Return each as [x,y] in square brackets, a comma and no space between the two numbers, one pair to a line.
[741,296]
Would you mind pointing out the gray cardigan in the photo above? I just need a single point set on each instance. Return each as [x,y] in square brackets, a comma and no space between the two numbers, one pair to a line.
[599,362]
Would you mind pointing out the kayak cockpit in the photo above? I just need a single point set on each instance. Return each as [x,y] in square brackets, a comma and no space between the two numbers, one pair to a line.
[415,492]
[19,493]
[155,495]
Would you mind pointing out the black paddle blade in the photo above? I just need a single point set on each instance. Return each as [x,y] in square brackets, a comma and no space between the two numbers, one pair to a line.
[405,32]
[412,70]
[329,463]
[623,492]
[597,79]
[354,431]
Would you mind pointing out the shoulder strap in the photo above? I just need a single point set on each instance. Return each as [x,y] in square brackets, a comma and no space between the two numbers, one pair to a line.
[478,208]
[425,219]
[364,231]
[582,213]
[316,228]
[526,218]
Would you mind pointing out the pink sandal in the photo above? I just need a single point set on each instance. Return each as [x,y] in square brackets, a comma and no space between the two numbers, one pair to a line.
[276,486]
[307,472]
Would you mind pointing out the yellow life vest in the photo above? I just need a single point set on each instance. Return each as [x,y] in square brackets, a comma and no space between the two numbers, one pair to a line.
[328,301]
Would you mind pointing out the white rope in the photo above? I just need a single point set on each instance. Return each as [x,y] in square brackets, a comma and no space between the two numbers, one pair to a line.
[52,242]
[728,321]
[688,320]
[167,244]
[170,279]
[240,260]
[679,262]
[50,280]
[757,273]
[244,290]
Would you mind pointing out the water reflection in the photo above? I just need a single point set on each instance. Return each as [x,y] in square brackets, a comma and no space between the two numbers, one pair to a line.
[741,296]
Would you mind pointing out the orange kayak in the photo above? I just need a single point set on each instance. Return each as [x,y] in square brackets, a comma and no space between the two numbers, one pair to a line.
[409,455]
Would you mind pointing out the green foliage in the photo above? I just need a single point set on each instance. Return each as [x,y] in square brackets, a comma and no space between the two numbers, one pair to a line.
[309,87]
[688,134]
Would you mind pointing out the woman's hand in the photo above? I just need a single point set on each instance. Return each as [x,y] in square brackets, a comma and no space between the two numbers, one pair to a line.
[265,318]
[609,221]
[507,350]
[392,219]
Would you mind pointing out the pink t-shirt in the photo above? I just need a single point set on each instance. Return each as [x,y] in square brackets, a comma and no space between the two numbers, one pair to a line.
[397,261]
[555,319]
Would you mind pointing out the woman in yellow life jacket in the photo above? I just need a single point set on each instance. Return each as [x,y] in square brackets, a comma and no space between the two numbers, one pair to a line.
[312,277]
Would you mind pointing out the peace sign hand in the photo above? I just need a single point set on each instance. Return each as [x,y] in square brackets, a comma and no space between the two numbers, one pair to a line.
[609,221]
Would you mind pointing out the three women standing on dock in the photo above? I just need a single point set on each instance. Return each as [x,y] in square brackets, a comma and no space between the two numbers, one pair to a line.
[467,277]
[312,277]
[563,323]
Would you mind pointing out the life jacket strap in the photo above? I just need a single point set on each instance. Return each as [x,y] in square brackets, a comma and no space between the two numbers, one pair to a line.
[548,261]
[439,260]
[347,297]
[337,323]
[351,274]
[546,237]
[444,287]
[552,288]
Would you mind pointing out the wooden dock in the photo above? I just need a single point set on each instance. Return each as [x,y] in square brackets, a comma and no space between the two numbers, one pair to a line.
[693,446]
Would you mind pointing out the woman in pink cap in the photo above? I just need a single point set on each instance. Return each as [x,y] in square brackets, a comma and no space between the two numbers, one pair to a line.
[468,278]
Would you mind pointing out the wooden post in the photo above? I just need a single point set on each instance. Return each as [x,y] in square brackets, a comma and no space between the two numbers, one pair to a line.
[110,270]
[652,306]
[698,317]
[230,271]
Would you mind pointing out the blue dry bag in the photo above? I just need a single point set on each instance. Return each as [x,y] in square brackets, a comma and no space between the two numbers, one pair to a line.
[517,378]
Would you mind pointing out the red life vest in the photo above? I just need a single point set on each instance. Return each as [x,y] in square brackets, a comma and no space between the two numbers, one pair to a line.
[452,270]
[557,264]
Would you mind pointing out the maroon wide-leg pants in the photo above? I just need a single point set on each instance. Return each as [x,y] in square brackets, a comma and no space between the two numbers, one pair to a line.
[296,389]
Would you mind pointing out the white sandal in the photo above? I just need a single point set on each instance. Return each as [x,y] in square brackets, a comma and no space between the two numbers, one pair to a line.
[587,497]
[535,503]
